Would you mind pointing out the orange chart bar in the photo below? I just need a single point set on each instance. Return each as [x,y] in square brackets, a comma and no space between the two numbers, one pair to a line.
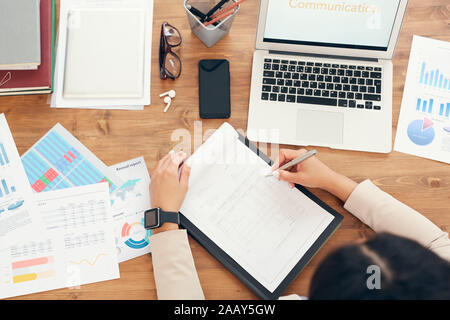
[31,262]
[34,276]
[126,230]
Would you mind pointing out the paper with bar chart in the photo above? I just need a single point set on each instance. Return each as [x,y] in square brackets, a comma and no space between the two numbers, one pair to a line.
[424,123]
[59,161]
[77,247]
[16,197]
[128,204]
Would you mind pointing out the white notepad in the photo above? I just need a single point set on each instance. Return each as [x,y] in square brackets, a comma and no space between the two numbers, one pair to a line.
[260,222]
[91,97]
[104,53]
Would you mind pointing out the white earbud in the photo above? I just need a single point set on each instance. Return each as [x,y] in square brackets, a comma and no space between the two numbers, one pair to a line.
[170,93]
[168,101]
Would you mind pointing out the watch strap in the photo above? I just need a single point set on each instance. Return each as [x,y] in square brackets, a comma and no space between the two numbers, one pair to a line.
[173,217]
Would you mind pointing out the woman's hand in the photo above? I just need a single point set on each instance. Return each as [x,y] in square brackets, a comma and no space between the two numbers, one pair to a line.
[313,173]
[167,191]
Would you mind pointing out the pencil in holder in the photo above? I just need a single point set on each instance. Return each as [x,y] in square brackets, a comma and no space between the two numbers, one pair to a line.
[211,34]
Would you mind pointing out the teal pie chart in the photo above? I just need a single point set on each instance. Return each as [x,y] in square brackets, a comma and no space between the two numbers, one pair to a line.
[421,132]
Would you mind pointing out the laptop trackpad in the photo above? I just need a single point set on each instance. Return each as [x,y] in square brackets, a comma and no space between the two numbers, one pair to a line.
[320,126]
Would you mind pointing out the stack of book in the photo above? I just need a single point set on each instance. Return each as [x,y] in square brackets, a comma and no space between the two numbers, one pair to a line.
[27,33]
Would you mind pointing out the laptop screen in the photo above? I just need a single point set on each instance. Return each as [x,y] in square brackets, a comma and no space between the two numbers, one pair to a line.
[354,24]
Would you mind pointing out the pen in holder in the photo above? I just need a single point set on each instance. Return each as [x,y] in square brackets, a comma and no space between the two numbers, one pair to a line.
[212,33]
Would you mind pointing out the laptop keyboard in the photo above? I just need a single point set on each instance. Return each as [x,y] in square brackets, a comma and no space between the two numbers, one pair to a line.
[339,85]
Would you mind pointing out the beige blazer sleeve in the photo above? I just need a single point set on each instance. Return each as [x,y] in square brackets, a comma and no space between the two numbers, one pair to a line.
[383,213]
[173,267]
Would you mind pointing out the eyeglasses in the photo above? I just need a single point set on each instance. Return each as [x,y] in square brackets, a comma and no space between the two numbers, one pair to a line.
[169,62]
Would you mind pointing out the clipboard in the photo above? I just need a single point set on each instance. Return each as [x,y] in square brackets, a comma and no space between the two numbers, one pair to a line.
[229,263]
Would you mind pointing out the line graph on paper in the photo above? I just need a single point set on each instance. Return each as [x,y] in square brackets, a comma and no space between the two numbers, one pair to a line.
[89,262]
[86,266]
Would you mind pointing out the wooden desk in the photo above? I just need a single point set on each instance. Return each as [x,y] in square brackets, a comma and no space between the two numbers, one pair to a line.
[115,136]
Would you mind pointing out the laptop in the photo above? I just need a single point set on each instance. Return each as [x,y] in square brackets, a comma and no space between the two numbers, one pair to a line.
[322,73]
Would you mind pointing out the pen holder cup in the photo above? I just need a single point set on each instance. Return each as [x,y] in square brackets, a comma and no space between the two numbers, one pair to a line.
[211,34]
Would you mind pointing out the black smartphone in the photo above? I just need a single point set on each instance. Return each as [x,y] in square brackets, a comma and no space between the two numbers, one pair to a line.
[214,89]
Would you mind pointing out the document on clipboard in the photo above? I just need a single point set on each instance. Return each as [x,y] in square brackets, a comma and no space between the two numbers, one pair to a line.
[262,227]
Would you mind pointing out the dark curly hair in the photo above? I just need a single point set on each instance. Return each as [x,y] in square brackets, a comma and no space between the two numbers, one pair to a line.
[407,269]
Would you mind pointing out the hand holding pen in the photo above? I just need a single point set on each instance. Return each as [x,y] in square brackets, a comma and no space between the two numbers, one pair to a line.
[299,166]
[313,173]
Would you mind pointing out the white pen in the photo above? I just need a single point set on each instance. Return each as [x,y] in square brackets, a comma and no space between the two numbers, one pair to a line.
[294,162]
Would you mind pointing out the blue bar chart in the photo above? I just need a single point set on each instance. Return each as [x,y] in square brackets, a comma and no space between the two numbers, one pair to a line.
[434,78]
[6,189]
[447,110]
[3,156]
[423,127]
[429,106]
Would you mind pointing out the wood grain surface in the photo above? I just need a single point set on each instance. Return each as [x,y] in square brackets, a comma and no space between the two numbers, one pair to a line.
[116,136]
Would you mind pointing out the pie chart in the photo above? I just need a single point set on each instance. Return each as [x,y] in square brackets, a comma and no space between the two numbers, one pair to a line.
[136,235]
[421,132]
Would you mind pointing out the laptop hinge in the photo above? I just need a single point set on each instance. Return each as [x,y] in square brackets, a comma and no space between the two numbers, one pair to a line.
[322,56]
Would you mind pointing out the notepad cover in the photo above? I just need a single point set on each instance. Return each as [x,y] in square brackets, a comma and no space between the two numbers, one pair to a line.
[104,53]
[19,34]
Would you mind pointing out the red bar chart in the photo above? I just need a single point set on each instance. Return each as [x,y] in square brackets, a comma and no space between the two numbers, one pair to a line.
[33,269]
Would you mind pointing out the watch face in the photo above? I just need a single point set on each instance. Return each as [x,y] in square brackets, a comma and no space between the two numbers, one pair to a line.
[152,218]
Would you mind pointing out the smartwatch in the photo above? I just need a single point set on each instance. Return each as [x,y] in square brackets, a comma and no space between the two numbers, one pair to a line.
[156,217]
